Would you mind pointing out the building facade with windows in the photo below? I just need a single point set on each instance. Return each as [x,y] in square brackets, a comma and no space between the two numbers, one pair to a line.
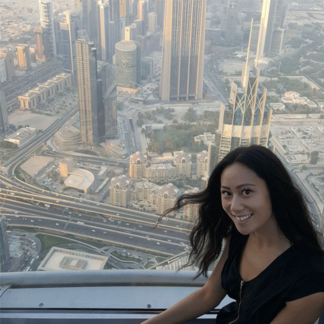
[183,50]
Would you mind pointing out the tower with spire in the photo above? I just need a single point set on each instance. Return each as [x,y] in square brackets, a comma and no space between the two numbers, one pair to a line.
[246,120]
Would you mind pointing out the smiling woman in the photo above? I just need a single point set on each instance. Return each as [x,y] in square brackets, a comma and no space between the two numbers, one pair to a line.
[272,263]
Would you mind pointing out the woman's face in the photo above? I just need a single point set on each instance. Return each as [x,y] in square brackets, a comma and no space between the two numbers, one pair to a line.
[246,200]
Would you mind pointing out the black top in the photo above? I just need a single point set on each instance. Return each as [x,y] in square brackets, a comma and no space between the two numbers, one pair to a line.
[294,274]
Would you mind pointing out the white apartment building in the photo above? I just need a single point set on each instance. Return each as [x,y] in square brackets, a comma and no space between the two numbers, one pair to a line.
[120,191]
[183,163]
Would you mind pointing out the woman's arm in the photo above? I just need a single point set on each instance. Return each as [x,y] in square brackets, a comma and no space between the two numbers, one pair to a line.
[304,310]
[200,301]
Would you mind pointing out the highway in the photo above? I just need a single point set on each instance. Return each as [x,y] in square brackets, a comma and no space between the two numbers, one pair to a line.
[107,227]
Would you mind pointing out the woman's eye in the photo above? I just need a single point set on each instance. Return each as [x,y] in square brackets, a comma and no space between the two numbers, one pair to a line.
[226,193]
[246,191]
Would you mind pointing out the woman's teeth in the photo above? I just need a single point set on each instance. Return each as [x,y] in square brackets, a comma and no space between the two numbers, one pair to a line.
[243,217]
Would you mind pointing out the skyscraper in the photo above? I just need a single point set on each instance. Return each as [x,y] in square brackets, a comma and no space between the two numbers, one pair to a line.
[86,58]
[183,50]
[47,22]
[232,15]
[159,10]
[124,10]
[8,55]
[273,17]
[4,244]
[104,32]
[23,55]
[69,28]
[4,122]
[90,19]
[246,121]
[115,18]
[152,22]
[142,14]
[41,44]
[131,32]
[128,64]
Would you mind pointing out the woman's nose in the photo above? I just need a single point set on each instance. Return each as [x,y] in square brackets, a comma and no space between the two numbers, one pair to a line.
[236,204]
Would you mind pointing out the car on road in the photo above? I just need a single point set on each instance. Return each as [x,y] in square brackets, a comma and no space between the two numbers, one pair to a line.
[93,230]
[57,224]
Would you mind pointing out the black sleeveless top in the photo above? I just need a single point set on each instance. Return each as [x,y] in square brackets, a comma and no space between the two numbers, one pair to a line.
[294,274]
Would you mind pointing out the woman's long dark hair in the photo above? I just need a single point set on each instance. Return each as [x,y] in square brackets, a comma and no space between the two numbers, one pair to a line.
[213,224]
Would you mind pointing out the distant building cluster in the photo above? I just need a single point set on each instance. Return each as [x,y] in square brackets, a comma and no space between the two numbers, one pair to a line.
[294,98]
[148,196]
[145,196]
[139,168]
[38,96]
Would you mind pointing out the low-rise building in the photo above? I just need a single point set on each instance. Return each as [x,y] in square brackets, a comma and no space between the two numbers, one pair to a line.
[120,191]
[202,164]
[28,101]
[137,166]
[65,167]
[22,136]
[190,211]
[166,197]
[161,172]
[80,179]
[183,164]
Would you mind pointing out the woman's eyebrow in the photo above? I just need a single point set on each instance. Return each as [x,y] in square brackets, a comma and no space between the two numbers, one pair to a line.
[242,185]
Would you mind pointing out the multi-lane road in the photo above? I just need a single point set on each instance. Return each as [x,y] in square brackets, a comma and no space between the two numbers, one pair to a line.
[91,220]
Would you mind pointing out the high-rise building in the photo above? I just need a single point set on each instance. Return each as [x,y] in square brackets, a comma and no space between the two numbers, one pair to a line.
[139,27]
[232,15]
[23,55]
[86,58]
[3,73]
[128,64]
[47,22]
[152,22]
[4,243]
[69,28]
[183,50]
[78,4]
[110,105]
[131,32]
[124,10]
[142,14]
[273,17]
[114,17]
[159,10]
[104,32]
[90,19]
[4,122]
[133,7]
[246,121]
[8,56]
[41,44]
[122,25]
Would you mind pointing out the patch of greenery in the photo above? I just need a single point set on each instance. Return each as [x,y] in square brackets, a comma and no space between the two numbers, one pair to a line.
[49,241]
[8,145]
[178,137]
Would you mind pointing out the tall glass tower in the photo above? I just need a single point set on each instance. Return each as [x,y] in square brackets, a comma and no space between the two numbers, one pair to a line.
[86,58]
[47,22]
[246,121]
[183,50]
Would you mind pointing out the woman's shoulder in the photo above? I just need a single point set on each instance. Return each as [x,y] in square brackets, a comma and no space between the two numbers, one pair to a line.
[312,261]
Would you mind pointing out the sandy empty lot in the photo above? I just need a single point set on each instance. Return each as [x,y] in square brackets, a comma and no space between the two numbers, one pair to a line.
[33,120]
